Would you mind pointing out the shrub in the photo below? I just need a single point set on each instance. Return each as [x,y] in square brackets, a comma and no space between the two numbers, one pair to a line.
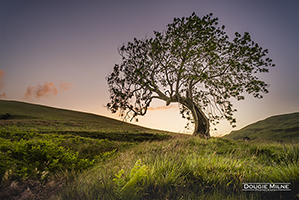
[6,116]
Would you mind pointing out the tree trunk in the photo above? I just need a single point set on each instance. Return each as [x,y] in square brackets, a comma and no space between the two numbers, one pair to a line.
[201,122]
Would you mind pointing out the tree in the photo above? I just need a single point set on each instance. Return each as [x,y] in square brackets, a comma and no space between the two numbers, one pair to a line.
[192,63]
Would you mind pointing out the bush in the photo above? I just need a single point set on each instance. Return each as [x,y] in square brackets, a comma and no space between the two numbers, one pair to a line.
[6,116]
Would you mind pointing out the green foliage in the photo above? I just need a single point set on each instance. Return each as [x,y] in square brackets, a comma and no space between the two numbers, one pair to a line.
[16,134]
[27,154]
[191,168]
[130,187]
[37,157]
[106,155]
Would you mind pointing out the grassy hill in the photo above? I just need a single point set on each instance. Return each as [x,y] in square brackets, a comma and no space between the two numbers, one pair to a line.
[49,119]
[281,128]
[49,153]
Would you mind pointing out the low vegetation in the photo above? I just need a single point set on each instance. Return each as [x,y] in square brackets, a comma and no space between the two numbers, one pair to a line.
[62,163]
[189,168]
[178,167]
[280,128]
[47,119]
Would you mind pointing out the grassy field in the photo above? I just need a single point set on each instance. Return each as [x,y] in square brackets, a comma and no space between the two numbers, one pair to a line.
[103,161]
[189,168]
[47,119]
[280,128]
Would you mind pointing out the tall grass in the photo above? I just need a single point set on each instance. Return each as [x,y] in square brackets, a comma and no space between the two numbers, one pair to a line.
[189,168]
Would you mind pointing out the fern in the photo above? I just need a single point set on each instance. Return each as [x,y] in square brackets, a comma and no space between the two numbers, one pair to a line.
[131,189]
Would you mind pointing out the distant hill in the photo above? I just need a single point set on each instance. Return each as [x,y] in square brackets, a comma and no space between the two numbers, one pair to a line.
[281,128]
[44,118]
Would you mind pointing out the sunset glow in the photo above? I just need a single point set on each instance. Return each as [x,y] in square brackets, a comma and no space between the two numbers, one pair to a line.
[58,53]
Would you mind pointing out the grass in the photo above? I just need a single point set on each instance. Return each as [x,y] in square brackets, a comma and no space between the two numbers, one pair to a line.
[189,168]
[47,119]
[281,128]
[47,156]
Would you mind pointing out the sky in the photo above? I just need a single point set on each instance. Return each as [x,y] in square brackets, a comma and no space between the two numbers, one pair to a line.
[58,53]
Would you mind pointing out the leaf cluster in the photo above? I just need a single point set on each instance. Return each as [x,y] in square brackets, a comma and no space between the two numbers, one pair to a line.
[130,188]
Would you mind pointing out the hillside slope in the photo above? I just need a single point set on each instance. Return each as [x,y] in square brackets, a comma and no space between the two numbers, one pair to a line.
[44,118]
[281,128]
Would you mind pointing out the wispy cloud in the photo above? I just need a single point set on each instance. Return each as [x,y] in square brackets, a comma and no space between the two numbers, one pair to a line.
[45,90]
[2,95]
[65,86]
[39,91]
[163,107]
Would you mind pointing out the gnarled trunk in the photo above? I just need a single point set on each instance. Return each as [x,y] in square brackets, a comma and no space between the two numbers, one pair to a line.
[201,122]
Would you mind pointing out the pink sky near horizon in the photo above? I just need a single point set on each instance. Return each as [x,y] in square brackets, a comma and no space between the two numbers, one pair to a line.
[63,50]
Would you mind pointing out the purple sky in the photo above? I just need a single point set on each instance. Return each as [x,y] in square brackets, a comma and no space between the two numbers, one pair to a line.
[58,53]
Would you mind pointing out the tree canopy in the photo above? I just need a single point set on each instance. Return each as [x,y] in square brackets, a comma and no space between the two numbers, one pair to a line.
[194,63]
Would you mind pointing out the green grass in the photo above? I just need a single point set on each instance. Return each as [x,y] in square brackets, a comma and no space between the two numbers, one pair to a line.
[47,119]
[189,168]
[107,159]
[280,128]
